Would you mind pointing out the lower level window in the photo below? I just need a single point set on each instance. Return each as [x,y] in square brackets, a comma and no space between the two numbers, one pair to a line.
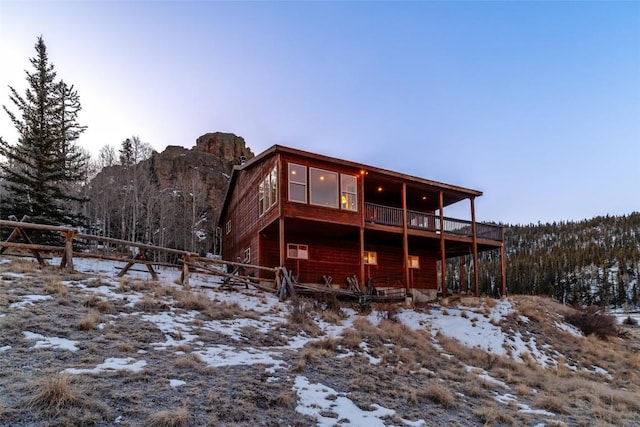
[370,258]
[414,261]
[246,257]
[297,251]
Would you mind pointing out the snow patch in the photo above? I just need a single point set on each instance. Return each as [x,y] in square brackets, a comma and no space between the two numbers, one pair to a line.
[51,342]
[112,364]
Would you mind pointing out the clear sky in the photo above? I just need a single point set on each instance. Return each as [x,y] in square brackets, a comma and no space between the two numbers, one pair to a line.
[537,104]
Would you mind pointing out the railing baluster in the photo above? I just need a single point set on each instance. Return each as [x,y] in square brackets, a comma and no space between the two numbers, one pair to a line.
[387,215]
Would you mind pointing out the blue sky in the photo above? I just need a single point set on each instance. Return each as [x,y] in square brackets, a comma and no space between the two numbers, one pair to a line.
[537,104]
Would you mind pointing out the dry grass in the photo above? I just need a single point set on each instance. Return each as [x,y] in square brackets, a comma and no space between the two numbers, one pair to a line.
[54,286]
[170,418]
[99,303]
[150,304]
[226,310]
[53,392]
[439,393]
[89,321]
[23,266]
[351,339]
[286,399]
[189,300]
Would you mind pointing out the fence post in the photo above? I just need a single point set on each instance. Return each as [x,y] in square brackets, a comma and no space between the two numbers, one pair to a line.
[67,258]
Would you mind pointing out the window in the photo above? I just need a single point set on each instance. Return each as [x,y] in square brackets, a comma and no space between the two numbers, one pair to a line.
[348,192]
[297,251]
[323,188]
[414,261]
[274,186]
[261,201]
[370,258]
[228,227]
[297,183]
[268,191]
[246,256]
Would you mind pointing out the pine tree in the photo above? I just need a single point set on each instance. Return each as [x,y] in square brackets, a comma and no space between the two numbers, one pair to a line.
[41,169]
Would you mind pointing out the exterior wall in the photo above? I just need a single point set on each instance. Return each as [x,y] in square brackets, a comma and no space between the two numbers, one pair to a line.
[390,268]
[242,211]
[326,257]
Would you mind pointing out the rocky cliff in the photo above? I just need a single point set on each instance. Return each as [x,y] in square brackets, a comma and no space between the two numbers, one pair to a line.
[172,199]
[207,166]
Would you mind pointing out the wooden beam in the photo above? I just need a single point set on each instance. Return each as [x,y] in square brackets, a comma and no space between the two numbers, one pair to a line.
[503,270]
[361,209]
[405,240]
[281,241]
[443,259]
[474,245]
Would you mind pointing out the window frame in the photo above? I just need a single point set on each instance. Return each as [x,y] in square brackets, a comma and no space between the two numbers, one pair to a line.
[344,193]
[268,191]
[227,227]
[298,247]
[290,182]
[246,256]
[336,192]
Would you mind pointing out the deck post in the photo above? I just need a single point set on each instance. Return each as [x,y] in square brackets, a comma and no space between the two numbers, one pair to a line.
[462,274]
[405,239]
[474,243]
[443,259]
[503,269]
[281,242]
[362,211]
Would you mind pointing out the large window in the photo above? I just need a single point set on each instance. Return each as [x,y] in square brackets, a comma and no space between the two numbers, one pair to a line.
[348,192]
[268,191]
[297,183]
[323,187]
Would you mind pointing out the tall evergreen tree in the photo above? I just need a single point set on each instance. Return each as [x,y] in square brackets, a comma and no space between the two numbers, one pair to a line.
[41,170]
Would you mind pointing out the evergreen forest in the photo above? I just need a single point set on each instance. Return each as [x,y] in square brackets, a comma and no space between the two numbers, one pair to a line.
[592,261]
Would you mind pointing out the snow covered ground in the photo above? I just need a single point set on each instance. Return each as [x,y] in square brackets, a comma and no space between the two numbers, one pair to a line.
[475,327]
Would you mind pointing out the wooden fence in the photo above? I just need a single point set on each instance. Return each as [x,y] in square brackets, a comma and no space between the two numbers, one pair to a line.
[106,248]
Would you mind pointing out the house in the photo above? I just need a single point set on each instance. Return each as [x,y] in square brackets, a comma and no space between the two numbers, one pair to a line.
[326,217]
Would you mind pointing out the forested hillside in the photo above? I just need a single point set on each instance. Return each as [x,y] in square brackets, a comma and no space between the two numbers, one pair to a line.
[595,261]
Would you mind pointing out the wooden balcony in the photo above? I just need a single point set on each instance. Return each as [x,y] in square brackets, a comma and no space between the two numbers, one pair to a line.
[389,216]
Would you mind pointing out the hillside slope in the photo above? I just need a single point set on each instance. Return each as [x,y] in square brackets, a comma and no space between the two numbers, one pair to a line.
[87,349]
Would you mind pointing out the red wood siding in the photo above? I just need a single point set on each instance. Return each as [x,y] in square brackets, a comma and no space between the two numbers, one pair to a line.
[242,211]
[338,259]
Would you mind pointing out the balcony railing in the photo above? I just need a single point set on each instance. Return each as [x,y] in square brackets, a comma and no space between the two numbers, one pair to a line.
[386,215]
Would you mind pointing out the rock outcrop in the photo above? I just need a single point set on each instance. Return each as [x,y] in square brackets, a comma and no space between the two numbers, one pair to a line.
[208,164]
[184,190]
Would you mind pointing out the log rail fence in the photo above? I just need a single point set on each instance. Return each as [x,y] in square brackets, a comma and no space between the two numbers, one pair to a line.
[187,262]
[282,285]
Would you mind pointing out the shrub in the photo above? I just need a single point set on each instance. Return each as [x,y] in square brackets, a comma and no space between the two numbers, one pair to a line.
[593,320]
